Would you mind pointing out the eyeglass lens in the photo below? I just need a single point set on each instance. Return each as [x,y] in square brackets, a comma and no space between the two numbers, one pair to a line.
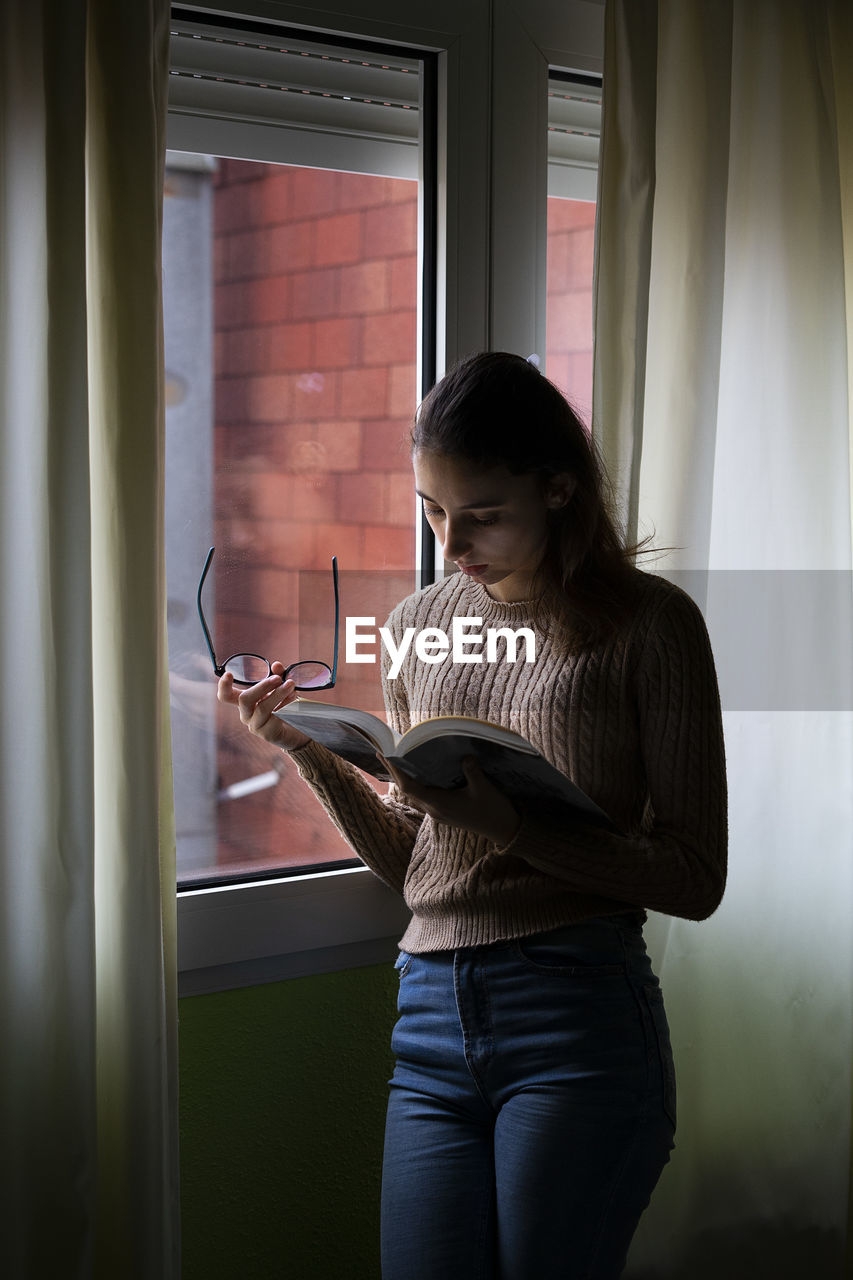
[248,668]
[309,675]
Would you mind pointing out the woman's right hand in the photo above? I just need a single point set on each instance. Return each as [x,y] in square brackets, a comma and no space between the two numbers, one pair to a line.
[257,704]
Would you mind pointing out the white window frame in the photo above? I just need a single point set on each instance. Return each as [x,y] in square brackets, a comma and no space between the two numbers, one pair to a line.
[494,58]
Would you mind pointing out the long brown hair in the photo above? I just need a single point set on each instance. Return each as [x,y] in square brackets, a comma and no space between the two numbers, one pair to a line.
[497,409]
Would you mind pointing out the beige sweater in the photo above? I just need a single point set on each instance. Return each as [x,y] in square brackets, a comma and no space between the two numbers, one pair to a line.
[634,722]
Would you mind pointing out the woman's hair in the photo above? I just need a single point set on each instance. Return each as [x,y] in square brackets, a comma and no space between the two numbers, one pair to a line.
[496,409]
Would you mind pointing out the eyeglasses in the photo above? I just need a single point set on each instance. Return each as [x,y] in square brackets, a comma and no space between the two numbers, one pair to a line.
[248,668]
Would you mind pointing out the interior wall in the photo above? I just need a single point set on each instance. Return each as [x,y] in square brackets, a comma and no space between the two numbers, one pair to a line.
[283,1091]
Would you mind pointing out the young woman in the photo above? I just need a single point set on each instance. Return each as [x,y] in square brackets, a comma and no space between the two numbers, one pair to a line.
[532,1106]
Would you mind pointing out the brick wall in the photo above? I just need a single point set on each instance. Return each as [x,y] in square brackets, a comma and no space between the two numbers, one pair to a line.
[315,352]
[569,300]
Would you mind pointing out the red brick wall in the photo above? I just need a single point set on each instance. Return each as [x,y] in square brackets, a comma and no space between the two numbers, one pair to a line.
[569,299]
[315,349]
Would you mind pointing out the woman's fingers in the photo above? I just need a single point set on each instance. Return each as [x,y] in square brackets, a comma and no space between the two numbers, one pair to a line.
[478,784]
[405,784]
[478,806]
[435,801]
[225,690]
[256,705]
[259,702]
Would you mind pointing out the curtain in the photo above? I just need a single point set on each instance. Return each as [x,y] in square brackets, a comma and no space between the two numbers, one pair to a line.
[723,385]
[87,943]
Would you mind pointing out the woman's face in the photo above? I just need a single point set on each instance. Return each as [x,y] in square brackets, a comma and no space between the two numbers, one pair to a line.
[490,523]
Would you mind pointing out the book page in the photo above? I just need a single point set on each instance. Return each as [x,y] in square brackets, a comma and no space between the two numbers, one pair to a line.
[349,741]
[303,711]
[465,726]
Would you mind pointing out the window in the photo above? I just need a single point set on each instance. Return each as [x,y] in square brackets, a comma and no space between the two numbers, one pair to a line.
[292,318]
[482,238]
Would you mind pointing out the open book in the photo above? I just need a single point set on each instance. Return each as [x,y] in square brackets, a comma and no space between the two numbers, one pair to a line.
[432,752]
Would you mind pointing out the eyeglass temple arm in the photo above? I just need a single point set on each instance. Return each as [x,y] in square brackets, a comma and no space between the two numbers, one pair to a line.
[207,638]
[337,616]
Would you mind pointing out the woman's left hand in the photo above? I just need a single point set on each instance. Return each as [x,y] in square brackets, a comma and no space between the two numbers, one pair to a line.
[478,806]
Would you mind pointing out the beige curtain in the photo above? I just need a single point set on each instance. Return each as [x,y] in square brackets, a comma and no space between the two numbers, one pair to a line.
[87,955]
[723,392]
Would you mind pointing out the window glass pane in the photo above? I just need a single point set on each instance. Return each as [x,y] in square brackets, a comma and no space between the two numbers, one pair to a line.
[568,361]
[574,128]
[291,323]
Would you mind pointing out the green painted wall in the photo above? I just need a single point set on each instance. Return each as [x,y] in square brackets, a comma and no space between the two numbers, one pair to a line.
[283,1091]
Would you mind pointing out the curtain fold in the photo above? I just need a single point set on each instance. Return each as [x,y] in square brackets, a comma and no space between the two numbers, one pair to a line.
[723,403]
[626,192]
[87,951]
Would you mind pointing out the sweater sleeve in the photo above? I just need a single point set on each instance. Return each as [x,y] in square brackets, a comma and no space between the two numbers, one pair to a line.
[677,863]
[380,829]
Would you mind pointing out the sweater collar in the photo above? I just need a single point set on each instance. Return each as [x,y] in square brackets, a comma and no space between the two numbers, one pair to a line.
[490,610]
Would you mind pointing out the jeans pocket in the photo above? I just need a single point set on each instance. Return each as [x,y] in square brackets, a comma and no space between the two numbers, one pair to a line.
[403,963]
[547,955]
[660,1051]
[590,949]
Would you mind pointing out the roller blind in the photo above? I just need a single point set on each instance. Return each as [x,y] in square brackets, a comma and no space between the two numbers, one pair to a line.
[290,100]
[294,101]
[574,129]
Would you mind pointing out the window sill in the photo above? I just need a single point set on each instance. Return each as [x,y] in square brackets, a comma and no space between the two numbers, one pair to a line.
[242,935]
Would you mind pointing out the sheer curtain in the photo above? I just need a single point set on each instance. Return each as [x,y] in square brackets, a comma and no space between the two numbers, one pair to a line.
[723,393]
[87,994]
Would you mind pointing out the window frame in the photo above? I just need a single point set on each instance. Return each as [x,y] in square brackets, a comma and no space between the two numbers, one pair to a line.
[493,59]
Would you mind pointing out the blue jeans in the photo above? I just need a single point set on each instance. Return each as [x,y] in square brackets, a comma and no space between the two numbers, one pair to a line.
[532,1107]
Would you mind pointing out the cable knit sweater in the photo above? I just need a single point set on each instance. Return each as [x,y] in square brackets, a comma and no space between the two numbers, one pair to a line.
[635,722]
